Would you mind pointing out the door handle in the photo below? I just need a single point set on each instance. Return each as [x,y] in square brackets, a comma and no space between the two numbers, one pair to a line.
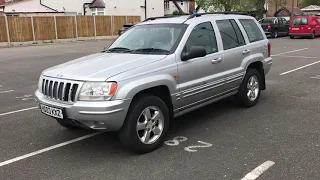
[246,52]
[216,60]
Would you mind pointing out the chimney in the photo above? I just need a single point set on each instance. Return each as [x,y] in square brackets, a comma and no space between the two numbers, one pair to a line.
[192,6]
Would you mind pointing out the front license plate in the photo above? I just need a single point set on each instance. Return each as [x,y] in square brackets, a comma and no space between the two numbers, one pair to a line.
[51,111]
[295,28]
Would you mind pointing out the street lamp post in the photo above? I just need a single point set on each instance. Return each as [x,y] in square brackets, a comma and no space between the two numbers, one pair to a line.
[145,9]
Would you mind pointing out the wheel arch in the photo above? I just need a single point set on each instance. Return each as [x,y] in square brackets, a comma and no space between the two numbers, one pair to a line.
[258,65]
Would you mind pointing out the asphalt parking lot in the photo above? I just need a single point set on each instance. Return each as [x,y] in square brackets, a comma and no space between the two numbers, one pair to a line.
[279,139]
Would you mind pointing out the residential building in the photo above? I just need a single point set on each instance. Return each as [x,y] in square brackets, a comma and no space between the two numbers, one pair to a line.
[2,5]
[186,6]
[283,7]
[85,7]
[311,10]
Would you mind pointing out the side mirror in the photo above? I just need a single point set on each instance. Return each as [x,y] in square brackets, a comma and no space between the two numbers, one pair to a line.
[195,52]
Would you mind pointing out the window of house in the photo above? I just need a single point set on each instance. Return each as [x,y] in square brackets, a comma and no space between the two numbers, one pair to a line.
[252,30]
[202,35]
[230,34]
[166,5]
[97,11]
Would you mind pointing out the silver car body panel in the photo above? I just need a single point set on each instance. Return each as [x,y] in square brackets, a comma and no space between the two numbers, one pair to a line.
[191,84]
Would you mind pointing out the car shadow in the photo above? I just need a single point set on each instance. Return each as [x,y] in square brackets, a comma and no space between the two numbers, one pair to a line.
[108,142]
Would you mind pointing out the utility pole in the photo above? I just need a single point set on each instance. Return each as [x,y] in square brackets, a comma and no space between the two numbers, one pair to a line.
[145,9]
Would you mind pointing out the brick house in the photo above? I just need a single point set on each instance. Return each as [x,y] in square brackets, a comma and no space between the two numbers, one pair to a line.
[283,8]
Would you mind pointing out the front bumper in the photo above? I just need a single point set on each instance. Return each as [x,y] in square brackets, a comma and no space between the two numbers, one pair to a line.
[107,115]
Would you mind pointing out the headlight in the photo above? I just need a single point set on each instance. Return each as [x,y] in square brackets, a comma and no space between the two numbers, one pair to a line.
[97,91]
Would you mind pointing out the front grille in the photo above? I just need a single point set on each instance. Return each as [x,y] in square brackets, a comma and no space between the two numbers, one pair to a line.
[59,90]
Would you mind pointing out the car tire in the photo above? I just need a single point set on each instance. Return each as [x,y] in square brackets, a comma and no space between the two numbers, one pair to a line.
[313,35]
[250,89]
[67,124]
[275,33]
[140,124]
[291,37]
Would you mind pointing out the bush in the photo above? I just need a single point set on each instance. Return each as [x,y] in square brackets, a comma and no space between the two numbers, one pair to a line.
[177,13]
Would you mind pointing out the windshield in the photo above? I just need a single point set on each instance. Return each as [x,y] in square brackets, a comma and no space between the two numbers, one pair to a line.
[267,21]
[156,38]
[300,21]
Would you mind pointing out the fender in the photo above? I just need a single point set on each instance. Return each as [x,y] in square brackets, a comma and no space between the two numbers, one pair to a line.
[129,90]
[251,59]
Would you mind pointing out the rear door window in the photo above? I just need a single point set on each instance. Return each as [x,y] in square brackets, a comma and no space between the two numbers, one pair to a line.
[230,34]
[252,30]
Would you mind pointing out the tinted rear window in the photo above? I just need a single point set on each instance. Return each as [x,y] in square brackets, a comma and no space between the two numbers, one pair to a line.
[300,21]
[267,21]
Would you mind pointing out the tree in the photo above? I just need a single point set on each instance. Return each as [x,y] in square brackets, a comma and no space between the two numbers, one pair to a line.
[306,3]
[230,5]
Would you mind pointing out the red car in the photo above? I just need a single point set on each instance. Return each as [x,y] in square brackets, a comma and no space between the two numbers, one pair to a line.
[304,26]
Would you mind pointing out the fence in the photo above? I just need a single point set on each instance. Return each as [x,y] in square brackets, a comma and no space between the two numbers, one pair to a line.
[23,29]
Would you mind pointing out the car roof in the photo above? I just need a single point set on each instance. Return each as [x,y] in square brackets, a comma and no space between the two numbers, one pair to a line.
[188,19]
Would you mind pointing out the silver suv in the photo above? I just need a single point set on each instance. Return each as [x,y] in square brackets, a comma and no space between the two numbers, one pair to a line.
[157,70]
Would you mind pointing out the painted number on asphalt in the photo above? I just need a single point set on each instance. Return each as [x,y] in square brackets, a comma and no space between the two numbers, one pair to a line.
[177,140]
[193,148]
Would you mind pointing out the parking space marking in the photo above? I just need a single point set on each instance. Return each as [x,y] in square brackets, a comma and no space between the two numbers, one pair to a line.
[289,52]
[48,149]
[258,171]
[315,77]
[21,110]
[304,57]
[284,73]
[2,92]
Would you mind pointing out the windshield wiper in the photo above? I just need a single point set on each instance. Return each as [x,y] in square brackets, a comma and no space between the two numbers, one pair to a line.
[118,49]
[150,50]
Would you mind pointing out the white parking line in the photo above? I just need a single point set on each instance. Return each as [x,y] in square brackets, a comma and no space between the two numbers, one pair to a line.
[315,77]
[258,171]
[2,92]
[289,52]
[304,57]
[47,149]
[21,110]
[284,73]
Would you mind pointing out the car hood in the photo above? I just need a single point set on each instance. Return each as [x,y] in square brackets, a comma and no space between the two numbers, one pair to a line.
[100,66]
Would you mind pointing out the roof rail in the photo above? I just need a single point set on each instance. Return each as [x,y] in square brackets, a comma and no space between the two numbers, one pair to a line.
[224,12]
[160,17]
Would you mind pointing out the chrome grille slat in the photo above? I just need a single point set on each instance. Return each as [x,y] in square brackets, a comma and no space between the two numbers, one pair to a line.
[47,87]
[55,90]
[60,90]
[51,89]
[70,90]
[63,91]
[43,85]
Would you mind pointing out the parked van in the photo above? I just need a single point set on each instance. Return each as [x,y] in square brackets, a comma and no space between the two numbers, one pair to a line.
[304,26]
